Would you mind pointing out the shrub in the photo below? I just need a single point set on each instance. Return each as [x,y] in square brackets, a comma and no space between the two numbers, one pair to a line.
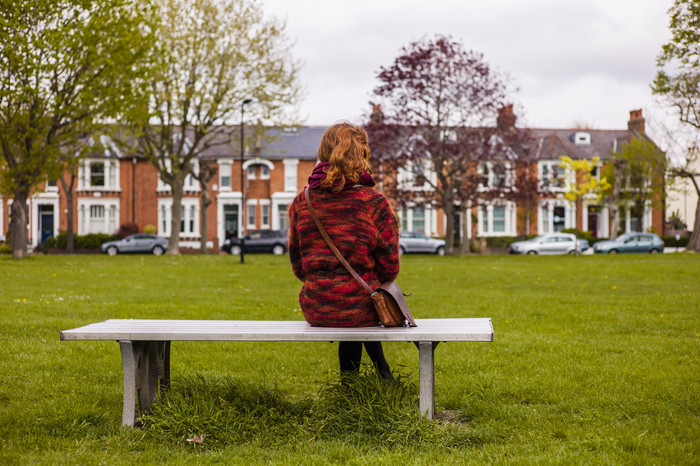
[579,234]
[89,241]
[127,229]
[670,241]
[150,229]
[500,241]
[5,248]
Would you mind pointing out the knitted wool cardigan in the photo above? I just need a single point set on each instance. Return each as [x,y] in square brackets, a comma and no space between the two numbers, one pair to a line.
[363,227]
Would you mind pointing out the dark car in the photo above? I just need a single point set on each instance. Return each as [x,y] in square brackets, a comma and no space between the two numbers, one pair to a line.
[631,242]
[139,242]
[274,241]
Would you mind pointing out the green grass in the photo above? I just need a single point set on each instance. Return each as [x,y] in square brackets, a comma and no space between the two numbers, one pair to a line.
[595,360]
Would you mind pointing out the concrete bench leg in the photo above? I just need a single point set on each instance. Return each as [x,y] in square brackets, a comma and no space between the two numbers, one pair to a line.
[426,377]
[146,369]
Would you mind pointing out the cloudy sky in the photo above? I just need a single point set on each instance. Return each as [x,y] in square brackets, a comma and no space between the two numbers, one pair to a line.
[574,61]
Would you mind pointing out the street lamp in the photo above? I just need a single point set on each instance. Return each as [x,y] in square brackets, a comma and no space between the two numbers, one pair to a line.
[243,206]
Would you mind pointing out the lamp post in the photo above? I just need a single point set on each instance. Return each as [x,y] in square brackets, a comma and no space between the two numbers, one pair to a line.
[243,206]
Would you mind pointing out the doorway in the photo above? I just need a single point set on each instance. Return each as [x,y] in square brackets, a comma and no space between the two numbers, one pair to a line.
[230,221]
[46,222]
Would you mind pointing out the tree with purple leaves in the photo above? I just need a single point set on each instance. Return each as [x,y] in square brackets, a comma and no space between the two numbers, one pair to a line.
[439,127]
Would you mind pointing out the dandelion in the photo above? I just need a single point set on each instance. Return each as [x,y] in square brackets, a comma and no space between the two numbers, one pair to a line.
[613,287]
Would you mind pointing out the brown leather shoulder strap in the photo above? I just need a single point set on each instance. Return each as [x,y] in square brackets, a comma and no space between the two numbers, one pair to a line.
[331,245]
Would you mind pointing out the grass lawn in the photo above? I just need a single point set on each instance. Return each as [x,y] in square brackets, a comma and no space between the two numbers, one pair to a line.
[595,360]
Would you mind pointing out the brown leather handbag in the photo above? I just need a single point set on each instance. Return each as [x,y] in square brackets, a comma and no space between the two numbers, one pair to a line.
[388,299]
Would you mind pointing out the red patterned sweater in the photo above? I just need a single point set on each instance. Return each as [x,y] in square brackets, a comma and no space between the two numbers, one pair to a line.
[365,230]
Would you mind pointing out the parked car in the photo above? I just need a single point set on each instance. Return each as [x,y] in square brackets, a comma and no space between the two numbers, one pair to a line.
[549,243]
[416,242]
[631,242]
[274,241]
[138,242]
[585,245]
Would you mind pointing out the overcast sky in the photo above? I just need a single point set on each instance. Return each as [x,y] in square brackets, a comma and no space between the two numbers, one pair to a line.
[574,61]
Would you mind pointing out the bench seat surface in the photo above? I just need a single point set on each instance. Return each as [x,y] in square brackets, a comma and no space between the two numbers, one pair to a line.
[463,329]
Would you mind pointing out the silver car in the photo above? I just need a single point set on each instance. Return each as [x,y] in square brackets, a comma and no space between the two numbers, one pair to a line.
[139,242]
[550,243]
[417,242]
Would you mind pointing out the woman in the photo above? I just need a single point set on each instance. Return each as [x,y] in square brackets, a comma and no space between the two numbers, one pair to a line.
[363,227]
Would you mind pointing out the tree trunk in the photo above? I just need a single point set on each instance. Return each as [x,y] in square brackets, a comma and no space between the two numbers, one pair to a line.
[206,202]
[68,189]
[694,241]
[465,246]
[176,189]
[449,229]
[18,224]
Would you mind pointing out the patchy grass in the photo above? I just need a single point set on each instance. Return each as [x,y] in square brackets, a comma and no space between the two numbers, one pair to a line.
[595,360]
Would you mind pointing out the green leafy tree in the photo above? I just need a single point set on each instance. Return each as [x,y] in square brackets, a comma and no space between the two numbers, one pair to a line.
[635,179]
[213,55]
[583,184]
[678,75]
[64,66]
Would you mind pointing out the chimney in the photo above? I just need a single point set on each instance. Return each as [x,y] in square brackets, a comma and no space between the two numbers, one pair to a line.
[377,117]
[636,122]
[506,119]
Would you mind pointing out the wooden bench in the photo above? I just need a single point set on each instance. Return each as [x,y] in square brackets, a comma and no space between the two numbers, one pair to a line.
[145,346]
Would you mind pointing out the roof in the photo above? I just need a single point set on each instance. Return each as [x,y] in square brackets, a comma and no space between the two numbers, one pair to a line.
[553,143]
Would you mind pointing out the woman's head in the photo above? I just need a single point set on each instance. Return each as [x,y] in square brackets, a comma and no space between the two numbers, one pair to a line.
[345,147]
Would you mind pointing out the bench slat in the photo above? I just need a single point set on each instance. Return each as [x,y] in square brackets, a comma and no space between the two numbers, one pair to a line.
[463,329]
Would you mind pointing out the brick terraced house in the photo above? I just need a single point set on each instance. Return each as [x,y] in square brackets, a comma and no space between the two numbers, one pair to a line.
[114,188]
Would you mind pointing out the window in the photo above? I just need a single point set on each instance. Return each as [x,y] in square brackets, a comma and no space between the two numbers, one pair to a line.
[191,182]
[283,211]
[544,210]
[251,216]
[250,172]
[290,175]
[97,215]
[418,223]
[559,220]
[551,175]
[189,217]
[225,176]
[265,215]
[499,219]
[496,175]
[264,172]
[97,174]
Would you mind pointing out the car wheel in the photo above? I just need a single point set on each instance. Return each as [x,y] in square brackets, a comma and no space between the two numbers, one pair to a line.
[235,250]
[654,251]
[613,251]
[440,251]
[532,253]
[112,250]
[402,251]
[278,249]
[158,250]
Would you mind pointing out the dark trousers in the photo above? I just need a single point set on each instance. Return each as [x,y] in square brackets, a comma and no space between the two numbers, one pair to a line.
[350,355]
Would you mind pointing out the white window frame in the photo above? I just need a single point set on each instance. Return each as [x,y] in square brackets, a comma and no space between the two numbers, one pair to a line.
[491,176]
[191,182]
[551,164]
[191,208]
[112,181]
[646,217]
[408,173]
[290,174]
[265,205]
[281,199]
[550,204]
[112,214]
[254,204]
[225,172]
[429,218]
[264,172]
[162,185]
[510,219]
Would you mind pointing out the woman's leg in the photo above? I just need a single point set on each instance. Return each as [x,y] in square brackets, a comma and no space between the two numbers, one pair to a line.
[350,355]
[376,354]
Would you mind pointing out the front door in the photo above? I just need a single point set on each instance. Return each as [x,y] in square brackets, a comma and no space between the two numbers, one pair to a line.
[45,222]
[230,221]
[593,222]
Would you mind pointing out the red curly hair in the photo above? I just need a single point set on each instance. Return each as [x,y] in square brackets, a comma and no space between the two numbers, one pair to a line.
[345,147]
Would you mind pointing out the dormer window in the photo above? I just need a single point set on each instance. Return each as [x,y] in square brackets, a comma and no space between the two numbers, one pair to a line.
[581,138]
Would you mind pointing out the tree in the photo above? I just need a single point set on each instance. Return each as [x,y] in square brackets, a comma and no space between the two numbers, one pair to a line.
[64,66]
[678,82]
[207,171]
[213,54]
[440,104]
[635,178]
[583,184]
[687,171]
[678,75]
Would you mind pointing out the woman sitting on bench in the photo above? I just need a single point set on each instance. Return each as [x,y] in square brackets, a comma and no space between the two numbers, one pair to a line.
[363,227]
